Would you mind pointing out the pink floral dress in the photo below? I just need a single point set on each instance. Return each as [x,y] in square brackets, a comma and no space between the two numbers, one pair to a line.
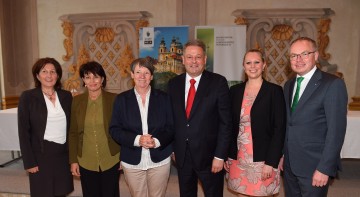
[245,175]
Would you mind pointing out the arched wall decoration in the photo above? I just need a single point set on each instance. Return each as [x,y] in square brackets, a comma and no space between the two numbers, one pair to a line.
[272,30]
[108,38]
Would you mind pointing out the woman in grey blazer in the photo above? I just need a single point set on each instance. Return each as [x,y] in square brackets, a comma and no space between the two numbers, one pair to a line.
[43,123]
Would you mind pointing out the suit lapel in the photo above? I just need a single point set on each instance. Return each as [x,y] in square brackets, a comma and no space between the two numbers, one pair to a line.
[309,89]
[262,92]
[237,101]
[81,109]
[152,110]
[131,100]
[180,93]
[290,93]
[42,110]
[106,107]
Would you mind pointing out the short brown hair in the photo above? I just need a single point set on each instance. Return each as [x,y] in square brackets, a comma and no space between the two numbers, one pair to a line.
[147,62]
[40,63]
[196,42]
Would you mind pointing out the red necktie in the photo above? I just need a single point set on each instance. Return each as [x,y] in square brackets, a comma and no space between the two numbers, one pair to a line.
[191,96]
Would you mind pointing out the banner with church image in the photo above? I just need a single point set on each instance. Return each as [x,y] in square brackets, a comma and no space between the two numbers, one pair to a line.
[225,49]
[165,44]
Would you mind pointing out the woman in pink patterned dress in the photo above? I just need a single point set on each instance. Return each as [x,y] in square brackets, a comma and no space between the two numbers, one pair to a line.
[258,111]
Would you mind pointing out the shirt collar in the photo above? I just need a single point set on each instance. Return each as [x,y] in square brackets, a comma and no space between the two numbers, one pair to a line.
[309,74]
[138,95]
[188,77]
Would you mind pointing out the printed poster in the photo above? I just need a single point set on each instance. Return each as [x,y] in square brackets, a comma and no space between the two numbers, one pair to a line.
[165,44]
[225,49]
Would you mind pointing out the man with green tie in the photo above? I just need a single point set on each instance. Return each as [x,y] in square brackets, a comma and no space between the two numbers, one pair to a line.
[316,105]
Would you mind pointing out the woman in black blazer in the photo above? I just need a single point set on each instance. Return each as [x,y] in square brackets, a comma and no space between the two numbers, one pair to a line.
[258,113]
[43,123]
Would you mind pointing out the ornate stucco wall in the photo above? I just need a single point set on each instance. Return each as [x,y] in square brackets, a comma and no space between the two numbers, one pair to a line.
[344,32]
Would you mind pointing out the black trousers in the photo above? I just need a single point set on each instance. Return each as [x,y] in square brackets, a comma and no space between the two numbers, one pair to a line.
[100,184]
[213,184]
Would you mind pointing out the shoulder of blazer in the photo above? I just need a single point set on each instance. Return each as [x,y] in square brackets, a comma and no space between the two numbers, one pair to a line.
[128,93]
[108,96]
[325,76]
[267,89]
[108,102]
[236,91]
[237,87]
[33,96]
[64,95]
[157,92]
[270,86]
[178,79]
[207,75]
[81,98]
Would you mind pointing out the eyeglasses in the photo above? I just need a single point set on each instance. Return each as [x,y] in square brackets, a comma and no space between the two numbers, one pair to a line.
[303,55]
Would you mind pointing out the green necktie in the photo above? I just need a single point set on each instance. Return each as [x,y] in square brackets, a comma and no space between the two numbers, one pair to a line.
[296,97]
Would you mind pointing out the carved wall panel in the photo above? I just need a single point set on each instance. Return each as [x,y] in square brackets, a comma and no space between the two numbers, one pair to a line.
[273,30]
[108,38]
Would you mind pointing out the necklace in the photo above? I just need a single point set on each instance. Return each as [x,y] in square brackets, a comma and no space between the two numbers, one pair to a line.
[50,96]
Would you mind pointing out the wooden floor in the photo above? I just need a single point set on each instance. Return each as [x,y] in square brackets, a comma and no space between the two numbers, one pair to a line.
[14,181]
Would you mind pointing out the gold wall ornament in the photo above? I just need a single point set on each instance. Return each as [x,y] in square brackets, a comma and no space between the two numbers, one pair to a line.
[73,83]
[102,37]
[282,32]
[104,34]
[68,30]
[241,21]
[124,61]
[323,39]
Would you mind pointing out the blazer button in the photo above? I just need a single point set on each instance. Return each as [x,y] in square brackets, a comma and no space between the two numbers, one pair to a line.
[188,125]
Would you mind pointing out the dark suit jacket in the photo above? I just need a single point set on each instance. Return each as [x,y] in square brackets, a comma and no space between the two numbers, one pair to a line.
[126,125]
[78,113]
[315,131]
[268,121]
[32,116]
[207,131]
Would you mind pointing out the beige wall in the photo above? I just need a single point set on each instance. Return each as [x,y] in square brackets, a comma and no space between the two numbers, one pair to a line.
[344,33]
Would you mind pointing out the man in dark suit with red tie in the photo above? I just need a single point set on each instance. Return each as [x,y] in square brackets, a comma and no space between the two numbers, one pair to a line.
[201,108]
